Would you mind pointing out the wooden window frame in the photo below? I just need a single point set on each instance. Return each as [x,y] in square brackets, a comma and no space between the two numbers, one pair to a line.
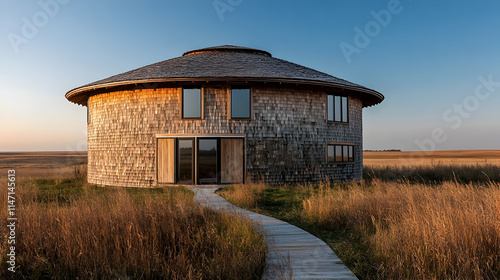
[230,103]
[341,108]
[202,94]
[342,145]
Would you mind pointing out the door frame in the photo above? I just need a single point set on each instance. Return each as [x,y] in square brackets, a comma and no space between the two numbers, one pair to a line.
[196,138]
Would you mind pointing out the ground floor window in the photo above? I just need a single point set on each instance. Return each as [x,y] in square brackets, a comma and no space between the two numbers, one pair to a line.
[340,153]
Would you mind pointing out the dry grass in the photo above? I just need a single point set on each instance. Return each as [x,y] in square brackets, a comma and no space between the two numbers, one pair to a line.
[68,230]
[450,231]
[245,195]
[42,164]
[433,174]
[418,158]
[421,216]
[432,220]
[474,166]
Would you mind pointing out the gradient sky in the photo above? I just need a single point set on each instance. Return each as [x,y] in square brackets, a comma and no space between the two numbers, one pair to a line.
[428,59]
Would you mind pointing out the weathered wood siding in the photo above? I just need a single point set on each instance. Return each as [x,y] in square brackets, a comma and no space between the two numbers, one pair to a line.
[286,137]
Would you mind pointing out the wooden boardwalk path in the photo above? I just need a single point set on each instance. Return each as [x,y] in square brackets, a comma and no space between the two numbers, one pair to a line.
[292,251]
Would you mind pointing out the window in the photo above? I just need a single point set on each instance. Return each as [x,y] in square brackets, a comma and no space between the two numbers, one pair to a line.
[338,108]
[340,153]
[191,103]
[240,103]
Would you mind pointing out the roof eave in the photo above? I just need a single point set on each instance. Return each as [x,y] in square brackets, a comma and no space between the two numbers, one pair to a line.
[375,99]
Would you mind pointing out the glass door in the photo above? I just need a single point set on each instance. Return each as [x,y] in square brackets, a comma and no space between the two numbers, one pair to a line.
[207,161]
[185,161]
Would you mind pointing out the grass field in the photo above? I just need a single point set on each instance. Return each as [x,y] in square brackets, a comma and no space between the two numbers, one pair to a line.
[68,229]
[43,164]
[414,224]
[477,167]
[415,216]
[465,157]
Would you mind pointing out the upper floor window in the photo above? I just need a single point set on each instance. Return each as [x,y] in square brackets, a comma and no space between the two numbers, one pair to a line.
[191,103]
[338,108]
[240,103]
[340,153]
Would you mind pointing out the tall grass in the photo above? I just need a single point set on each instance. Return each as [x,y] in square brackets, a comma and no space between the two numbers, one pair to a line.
[68,230]
[245,195]
[449,231]
[395,230]
[435,172]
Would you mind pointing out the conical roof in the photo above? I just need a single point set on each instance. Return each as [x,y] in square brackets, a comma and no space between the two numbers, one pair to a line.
[226,63]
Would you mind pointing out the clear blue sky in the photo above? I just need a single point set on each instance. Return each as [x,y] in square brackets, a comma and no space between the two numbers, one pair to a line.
[426,59]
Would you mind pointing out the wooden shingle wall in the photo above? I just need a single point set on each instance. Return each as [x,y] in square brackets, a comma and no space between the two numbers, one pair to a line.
[286,137]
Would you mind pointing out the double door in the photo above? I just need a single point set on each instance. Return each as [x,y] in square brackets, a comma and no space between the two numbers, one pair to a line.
[200,160]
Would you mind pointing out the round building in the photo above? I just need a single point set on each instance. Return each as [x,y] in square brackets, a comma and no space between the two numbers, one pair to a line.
[223,115]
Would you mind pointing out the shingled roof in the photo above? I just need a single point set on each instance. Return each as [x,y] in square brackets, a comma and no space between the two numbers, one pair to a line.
[223,64]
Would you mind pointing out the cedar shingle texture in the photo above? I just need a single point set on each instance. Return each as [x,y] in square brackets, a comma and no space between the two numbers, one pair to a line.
[225,63]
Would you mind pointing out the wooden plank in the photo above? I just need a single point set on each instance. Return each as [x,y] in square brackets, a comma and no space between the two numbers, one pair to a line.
[166,161]
[292,252]
[231,161]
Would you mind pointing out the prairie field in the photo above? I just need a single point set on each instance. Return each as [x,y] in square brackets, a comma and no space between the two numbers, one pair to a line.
[434,219]
[43,164]
[471,166]
[417,158]
[69,229]
[415,215]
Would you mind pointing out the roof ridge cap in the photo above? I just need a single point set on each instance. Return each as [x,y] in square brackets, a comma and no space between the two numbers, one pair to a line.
[228,48]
